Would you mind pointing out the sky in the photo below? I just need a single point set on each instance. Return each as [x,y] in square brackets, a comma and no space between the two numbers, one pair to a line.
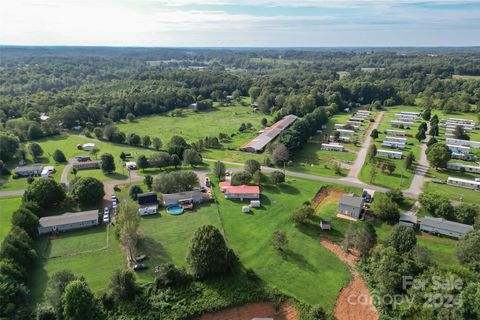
[246,23]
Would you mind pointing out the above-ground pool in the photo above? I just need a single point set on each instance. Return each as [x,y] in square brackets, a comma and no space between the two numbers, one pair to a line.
[175,210]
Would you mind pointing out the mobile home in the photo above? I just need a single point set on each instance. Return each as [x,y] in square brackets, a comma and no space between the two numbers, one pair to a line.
[332,147]
[398,133]
[459,166]
[393,144]
[398,123]
[390,154]
[395,139]
[463,183]
[357,119]
[444,227]
[346,132]
[465,143]
[460,149]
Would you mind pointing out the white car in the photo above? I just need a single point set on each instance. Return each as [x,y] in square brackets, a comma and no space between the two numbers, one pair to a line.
[106,211]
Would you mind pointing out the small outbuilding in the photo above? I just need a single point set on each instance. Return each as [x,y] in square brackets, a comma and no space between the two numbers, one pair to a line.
[325,225]
[88,146]
[255,204]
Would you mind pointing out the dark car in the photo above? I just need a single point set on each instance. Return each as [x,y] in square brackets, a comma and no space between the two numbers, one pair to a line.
[140,267]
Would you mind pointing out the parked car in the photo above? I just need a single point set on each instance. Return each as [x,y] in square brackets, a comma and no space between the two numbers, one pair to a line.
[106,211]
[140,267]
[207,181]
[203,189]
[227,173]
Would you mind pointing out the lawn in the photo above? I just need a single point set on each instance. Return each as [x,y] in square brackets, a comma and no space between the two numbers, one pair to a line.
[7,207]
[400,178]
[84,253]
[452,192]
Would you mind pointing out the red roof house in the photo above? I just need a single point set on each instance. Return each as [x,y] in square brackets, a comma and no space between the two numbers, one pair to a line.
[242,192]
[224,185]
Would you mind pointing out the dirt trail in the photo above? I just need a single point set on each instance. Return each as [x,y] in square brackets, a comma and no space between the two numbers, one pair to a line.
[254,310]
[354,301]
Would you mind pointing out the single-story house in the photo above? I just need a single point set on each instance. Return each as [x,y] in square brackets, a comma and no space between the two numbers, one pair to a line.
[398,123]
[390,154]
[173,199]
[147,198]
[28,171]
[351,205]
[242,192]
[393,144]
[364,112]
[82,158]
[358,119]
[464,183]
[444,227]
[459,166]
[346,132]
[408,220]
[85,165]
[465,143]
[332,147]
[68,221]
[396,139]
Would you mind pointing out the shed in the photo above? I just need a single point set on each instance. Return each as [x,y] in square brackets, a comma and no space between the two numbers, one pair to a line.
[88,146]
[325,225]
[255,204]
[351,205]
[245,209]
[444,227]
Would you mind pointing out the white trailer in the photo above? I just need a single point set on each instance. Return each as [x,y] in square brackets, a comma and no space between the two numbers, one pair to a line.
[458,166]
[332,147]
[460,149]
[398,123]
[398,133]
[463,183]
[465,143]
[393,145]
[396,139]
[390,154]
[346,132]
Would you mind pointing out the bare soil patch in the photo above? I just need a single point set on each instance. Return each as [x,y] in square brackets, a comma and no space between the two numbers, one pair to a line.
[327,196]
[254,310]
[354,301]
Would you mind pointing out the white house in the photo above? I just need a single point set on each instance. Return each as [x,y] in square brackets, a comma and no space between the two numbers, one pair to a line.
[332,147]
[88,146]
[465,143]
[393,144]
[395,139]
[389,154]
[460,149]
[408,117]
[398,123]
[68,221]
[459,166]
[416,114]
[346,132]
[398,133]
[463,183]
[364,112]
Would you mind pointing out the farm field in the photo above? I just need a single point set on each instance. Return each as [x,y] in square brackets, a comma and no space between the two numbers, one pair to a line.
[400,178]
[84,253]
[7,207]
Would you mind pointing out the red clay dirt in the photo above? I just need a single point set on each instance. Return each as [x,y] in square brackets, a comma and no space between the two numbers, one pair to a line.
[254,310]
[354,301]
[324,193]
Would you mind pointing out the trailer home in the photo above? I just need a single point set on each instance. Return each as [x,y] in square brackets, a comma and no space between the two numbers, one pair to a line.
[406,117]
[357,119]
[393,144]
[464,183]
[458,149]
[398,123]
[444,227]
[465,143]
[398,133]
[458,166]
[395,139]
[346,132]
[390,154]
[332,147]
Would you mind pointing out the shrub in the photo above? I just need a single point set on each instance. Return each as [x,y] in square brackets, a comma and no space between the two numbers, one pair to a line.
[87,190]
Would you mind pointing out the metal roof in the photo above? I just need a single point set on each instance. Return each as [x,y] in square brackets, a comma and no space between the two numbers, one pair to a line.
[182,195]
[351,200]
[68,218]
[441,223]
[243,189]
[270,133]
[30,168]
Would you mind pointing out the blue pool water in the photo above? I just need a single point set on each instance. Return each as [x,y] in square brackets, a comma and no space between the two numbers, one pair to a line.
[175,210]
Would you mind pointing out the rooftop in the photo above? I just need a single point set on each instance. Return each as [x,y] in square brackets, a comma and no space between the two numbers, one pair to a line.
[351,200]
[28,168]
[270,133]
[182,195]
[69,217]
[243,189]
[441,223]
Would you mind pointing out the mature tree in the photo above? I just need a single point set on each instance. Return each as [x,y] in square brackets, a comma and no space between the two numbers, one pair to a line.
[35,150]
[396,195]
[277,177]
[94,152]
[303,214]
[280,154]
[108,163]
[134,190]
[127,221]
[470,298]
[467,213]
[264,122]
[208,254]
[390,166]
[372,152]
[426,115]
[8,145]
[402,238]
[177,145]
[156,143]
[18,247]
[58,156]
[25,219]
[176,181]
[142,162]
[468,247]
[252,166]
[56,288]
[15,300]
[434,130]
[431,141]
[134,139]
[421,135]
[437,205]
[386,210]
[240,178]
[148,181]
[98,132]
[122,285]
[45,192]
[438,155]
[87,190]
[459,133]
[169,276]
[374,134]
[192,157]
[79,302]
[219,169]
[175,161]
[159,160]
[365,239]
[146,141]
[254,93]
[279,239]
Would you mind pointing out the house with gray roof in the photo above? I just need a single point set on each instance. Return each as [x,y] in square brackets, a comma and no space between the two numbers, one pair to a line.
[408,220]
[173,199]
[351,205]
[28,171]
[444,227]
[68,221]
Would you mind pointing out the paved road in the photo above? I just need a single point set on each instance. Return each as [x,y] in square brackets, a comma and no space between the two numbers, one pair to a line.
[362,153]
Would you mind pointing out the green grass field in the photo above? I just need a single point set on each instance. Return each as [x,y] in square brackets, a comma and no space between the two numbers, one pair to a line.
[7,207]
[452,192]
